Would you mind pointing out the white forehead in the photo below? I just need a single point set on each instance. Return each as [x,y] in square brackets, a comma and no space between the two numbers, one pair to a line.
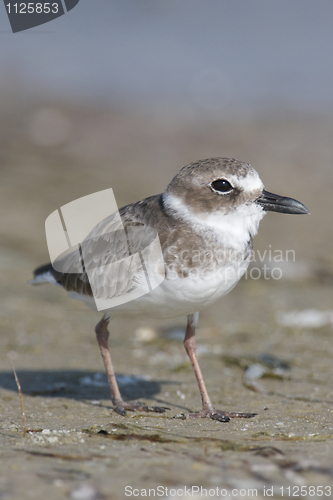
[251,182]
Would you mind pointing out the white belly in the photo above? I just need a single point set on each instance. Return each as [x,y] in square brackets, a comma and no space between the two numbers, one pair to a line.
[182,296]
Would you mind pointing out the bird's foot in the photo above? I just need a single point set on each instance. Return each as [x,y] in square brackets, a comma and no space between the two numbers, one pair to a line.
[221,416]
[122,407]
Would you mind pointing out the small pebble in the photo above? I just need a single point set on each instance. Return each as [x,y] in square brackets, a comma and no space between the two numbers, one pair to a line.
[145,334]
[85,492]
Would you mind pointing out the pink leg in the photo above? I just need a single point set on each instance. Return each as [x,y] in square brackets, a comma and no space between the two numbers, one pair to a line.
[208,409]
[102,334]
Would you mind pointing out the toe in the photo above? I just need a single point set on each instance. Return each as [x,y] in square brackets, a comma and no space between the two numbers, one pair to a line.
[121,410]
[240,414]
[156,409]
[221,417]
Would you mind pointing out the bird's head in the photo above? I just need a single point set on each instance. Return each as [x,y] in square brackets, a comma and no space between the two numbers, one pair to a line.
[224,192]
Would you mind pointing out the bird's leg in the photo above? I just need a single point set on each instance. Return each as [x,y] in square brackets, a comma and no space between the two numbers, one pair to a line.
[102,335]
[191,350]
[208,409]
[120,406]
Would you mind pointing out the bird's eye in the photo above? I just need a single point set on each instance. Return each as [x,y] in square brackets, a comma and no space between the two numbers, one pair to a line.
[222,186]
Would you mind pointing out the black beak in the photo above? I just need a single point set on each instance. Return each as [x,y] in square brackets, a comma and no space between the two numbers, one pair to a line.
[275,203]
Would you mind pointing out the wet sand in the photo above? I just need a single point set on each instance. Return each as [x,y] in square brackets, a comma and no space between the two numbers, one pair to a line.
[76,446]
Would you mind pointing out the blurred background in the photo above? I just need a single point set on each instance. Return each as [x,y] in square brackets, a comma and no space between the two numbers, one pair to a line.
[122,94]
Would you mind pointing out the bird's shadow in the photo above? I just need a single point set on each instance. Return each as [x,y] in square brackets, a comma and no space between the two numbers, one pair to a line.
[79,384]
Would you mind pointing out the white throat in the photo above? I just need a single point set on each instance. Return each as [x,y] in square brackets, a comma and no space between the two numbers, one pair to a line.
[234,229]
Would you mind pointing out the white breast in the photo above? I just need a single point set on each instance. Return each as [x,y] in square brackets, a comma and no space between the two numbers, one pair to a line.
[182,296]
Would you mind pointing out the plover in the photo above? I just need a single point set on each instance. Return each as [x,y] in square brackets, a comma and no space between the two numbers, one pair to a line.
[205,220]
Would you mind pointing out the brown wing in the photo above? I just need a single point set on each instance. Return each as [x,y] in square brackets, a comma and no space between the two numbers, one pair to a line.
[110,255]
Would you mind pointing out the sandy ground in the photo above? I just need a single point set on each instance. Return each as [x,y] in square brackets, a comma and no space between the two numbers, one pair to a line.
[254,357]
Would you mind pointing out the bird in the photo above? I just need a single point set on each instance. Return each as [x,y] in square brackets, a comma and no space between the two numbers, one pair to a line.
[205,221]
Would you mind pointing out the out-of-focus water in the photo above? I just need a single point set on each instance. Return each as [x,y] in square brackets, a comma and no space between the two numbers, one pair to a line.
[218,56]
